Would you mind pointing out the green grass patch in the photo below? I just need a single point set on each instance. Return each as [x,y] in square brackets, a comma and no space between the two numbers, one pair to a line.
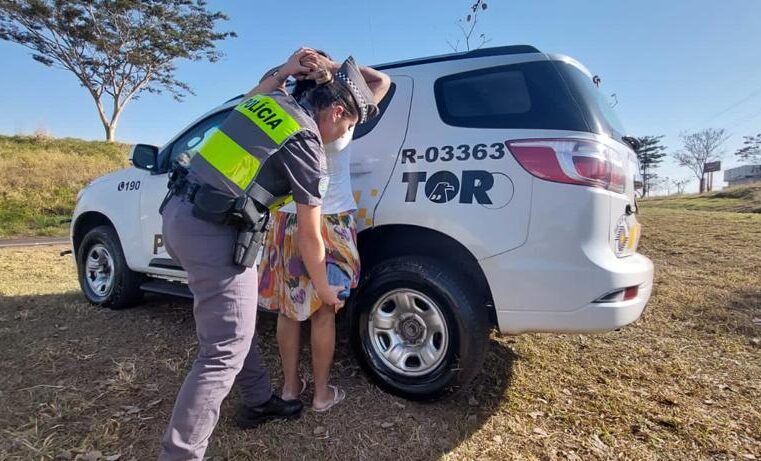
[40,178]
[743,199]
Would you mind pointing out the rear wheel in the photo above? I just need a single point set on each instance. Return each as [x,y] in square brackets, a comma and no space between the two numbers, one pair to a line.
[416,328]
[104,276]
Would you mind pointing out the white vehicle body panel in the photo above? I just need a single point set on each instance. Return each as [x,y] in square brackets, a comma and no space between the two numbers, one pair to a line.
[546,249]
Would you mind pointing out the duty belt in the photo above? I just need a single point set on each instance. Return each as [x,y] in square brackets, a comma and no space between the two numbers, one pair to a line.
[249,216]
[186,189]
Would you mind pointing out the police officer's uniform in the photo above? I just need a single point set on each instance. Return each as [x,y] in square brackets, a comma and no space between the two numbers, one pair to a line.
[267,148]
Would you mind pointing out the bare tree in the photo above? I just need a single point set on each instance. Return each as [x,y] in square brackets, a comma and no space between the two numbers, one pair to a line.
[701,147]
[680,185]
[116,49]
[468,27]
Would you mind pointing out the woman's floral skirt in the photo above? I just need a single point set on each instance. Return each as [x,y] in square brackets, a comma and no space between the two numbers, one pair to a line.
[284,284]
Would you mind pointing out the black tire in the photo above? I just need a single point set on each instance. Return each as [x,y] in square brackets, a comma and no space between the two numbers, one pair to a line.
[466,322]
[124,289]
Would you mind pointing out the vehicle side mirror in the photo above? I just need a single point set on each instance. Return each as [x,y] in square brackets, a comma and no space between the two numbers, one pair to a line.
[144,156]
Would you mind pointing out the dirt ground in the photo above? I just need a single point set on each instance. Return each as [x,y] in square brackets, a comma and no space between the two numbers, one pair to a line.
[684,382]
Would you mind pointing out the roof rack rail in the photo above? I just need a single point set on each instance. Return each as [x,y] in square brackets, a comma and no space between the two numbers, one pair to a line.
[479,53]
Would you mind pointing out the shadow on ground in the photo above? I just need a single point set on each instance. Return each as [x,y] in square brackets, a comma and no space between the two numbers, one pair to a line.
[78,379]
[747,306]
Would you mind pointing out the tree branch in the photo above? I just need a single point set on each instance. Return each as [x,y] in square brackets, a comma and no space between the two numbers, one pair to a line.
[118,48]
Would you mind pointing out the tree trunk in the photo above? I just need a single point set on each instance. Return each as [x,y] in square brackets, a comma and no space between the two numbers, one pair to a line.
[110,131]
[645,185]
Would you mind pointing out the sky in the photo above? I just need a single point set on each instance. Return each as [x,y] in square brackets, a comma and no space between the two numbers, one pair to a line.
[675,66]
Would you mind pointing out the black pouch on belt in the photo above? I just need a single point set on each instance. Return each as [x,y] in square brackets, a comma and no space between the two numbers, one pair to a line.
[210,204]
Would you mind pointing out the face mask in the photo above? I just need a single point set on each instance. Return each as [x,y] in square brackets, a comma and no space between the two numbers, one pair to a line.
[340,144]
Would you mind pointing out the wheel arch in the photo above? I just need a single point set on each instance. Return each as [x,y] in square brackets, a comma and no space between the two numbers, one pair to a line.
[85,223]
[395,240]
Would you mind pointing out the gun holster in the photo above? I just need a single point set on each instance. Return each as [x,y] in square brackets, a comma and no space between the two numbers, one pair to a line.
[251,219]
[244,213]
[255,222]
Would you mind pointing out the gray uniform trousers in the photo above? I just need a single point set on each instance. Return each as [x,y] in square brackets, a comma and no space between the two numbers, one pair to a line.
[224,308]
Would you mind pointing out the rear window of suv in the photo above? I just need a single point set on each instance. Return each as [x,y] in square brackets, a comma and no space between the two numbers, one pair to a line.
[550,95]
[599,112]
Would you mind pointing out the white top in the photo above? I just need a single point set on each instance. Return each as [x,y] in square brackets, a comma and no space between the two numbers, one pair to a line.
[339,196]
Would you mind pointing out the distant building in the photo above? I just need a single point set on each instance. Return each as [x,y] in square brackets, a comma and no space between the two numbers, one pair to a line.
[745,174]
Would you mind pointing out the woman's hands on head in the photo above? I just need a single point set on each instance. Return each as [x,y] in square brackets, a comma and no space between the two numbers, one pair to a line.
[299,64]
[306,63]
[323,63]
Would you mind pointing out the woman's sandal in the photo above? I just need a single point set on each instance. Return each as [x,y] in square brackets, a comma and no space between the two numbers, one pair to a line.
[304,385]
[338,396]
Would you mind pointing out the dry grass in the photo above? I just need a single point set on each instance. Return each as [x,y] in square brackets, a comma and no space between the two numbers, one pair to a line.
[741,199]
[682,383]
[40,178]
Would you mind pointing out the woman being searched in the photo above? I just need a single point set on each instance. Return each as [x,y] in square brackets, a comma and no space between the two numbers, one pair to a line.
[285,284]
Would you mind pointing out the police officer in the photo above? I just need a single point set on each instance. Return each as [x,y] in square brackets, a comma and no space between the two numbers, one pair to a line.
[270,148]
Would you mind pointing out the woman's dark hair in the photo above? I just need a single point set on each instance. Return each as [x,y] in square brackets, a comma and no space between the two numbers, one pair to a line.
[301,88]
[323,96]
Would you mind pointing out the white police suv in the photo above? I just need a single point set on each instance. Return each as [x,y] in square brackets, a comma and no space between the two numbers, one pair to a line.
[496,189]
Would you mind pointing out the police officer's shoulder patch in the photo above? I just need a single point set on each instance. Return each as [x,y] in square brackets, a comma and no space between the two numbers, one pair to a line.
[323,186]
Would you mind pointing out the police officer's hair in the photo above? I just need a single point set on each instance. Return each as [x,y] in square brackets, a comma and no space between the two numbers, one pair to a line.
[324,96]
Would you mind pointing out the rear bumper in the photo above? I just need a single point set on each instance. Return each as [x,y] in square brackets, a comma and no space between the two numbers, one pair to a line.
[551,283]
[592,318]
[540,296]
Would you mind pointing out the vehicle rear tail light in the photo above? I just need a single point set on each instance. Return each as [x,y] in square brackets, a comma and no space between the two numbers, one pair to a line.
[571,161]
[627,294]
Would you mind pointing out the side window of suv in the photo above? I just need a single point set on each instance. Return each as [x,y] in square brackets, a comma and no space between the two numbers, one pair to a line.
[196,135]
[365,128]
[486,95]
[526,95]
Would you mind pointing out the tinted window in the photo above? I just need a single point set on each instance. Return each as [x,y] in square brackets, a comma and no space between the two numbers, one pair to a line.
[197,134]
[365,128]
[598,110]
[527,95]
[487,95]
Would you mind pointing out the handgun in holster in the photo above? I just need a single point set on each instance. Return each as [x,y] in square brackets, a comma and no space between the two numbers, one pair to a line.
[254,224]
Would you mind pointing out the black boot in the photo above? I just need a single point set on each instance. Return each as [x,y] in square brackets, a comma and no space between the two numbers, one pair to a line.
[274,408]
